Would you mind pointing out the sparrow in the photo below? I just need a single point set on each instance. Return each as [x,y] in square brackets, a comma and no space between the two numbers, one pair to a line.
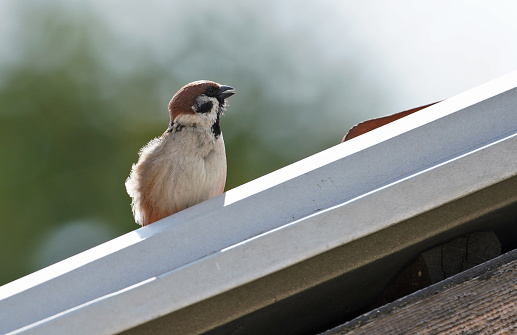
[187,164]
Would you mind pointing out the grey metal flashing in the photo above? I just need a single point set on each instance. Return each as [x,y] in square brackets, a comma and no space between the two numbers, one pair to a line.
[313,295]
[359,201]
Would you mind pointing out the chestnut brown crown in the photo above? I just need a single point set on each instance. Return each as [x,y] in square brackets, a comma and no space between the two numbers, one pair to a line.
[183,101]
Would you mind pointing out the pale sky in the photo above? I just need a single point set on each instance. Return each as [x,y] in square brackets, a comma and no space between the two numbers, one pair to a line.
[419,52]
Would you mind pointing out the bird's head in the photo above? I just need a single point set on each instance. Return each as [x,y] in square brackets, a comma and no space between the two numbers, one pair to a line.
[200,102]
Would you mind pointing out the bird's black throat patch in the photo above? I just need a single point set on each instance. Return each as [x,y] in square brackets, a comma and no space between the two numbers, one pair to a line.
[216,127]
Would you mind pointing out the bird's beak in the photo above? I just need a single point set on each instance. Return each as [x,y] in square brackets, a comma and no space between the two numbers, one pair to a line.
[225,92]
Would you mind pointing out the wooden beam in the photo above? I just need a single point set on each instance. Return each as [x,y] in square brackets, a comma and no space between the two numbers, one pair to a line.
[481,300]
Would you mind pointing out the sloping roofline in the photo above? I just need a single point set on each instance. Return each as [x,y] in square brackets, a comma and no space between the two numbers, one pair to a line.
[322,220]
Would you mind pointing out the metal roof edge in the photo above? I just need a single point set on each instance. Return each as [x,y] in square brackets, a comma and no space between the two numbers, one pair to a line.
[254,225]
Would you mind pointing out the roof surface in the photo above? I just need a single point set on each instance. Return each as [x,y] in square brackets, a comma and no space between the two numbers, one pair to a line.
[297,249]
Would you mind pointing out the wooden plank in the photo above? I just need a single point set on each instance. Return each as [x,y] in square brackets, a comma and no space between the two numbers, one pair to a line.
[480,300]
[442,262]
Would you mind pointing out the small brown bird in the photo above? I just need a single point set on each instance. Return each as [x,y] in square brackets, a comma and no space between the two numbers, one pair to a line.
[187,164]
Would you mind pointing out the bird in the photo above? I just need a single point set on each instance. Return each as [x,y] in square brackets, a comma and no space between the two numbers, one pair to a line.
[187,163]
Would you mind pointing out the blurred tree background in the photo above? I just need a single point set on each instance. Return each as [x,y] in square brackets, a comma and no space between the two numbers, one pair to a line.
[79,102]
[84,85]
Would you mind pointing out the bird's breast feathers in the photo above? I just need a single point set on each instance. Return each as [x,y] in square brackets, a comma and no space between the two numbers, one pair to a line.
[176,171]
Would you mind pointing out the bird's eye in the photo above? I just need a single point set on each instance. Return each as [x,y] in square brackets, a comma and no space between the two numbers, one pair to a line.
[211,91]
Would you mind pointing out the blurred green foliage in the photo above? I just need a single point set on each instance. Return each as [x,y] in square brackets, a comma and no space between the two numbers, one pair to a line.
[79,103]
